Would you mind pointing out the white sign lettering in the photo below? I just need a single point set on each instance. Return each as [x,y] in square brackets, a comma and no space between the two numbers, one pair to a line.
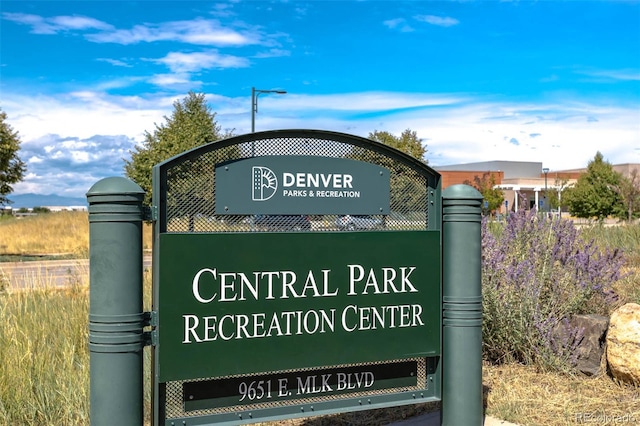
[317,180]
[211,285]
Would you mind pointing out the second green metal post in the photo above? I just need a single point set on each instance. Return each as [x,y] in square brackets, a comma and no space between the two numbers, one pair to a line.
[461,307]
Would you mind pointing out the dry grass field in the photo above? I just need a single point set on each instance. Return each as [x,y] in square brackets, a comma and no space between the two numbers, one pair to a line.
[44,368]
[63,234]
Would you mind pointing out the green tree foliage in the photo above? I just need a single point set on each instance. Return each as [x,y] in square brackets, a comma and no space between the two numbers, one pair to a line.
[191,124]
[12,169]
[629,191]
[408,142]
[406,192]
[595,194]
[485,185]
[555,193]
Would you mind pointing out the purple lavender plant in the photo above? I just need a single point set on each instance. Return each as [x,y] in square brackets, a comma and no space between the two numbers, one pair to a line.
[537,272]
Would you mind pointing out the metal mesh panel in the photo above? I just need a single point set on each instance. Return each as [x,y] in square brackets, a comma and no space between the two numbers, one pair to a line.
[189,191]
[175,408]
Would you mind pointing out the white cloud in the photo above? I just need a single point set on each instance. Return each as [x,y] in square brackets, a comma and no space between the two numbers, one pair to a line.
[469,134]
[613,75]
[441,21]
[197,31]
[179,62]
[170,79]
[115,62]
[37,23]
[365,102]
[84,114]
[222,10]
[56,24]
[70,165]
[399,24]
[79,23]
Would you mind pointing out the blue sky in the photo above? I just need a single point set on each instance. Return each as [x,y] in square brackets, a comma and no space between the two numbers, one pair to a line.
[548,81]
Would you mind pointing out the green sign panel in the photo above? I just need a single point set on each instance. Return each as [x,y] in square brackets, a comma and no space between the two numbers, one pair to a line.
[243,304]
[301,185]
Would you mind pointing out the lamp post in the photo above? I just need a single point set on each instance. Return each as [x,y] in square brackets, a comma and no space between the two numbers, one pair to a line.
[546,196]
[254,103]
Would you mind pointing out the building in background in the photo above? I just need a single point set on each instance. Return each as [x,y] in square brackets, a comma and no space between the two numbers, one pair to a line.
[523,182]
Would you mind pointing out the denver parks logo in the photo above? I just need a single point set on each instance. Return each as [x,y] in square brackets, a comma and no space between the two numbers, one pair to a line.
[300,185]
[265,183]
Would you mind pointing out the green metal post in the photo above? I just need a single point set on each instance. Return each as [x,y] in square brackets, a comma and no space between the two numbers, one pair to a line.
[461,307]
[116,317]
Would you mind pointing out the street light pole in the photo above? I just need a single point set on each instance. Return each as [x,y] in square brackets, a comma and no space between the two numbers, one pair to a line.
[546,195]
[254,103]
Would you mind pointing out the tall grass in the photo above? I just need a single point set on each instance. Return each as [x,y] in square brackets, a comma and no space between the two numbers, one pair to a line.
[44,364]
[44,354]
[625,237]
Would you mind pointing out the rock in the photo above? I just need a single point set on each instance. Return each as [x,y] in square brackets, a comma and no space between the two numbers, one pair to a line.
[591,332]
[591,348]
[623,343]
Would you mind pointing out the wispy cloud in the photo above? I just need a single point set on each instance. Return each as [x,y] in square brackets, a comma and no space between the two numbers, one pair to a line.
[179,62]
[612,75]
[368,101]
[197,31]
[115,62]
[222,10]
[172,80]
[441,21]
[56,24]
[86,113]
[399,24]
[272,53]
[402,25]
[117,83]
[79,23]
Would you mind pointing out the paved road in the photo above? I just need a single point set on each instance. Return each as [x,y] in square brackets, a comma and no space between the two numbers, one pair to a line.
[53,273]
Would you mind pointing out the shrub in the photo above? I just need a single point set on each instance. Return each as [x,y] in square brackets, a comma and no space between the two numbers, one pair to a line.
[536,273]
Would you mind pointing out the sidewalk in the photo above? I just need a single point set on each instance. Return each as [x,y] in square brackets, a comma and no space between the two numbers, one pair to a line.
[433,419]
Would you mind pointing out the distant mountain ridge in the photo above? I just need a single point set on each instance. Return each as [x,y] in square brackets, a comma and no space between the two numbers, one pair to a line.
[31,200]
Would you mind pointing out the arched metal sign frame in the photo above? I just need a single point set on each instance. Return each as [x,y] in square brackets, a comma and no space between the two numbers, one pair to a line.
[191,222]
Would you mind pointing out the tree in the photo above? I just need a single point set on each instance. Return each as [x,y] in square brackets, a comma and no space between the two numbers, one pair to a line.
[406,192]
[554,194]
[485,185]
[408,142]
[12,169]
[595,193]
[191,124]
[629,191]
